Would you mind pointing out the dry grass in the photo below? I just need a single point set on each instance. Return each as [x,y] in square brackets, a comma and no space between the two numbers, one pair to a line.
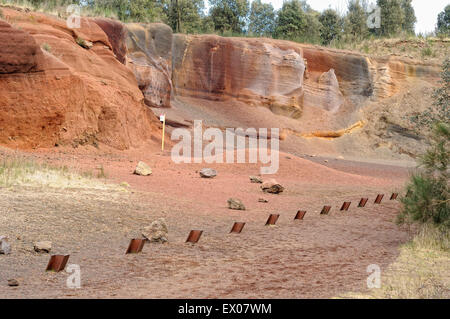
[421,271]
[430,49]
[18,171]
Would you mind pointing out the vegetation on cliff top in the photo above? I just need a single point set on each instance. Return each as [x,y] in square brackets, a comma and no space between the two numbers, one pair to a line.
[295,21]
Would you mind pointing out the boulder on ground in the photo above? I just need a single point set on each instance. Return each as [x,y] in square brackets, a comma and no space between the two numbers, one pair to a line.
[272,187]
[208,173]
[157,232]
[143,169]
[5,247]
[235,204]
[43,247]
[256,180]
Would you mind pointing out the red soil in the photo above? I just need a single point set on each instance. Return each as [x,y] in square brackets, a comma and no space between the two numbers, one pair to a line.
[322,256]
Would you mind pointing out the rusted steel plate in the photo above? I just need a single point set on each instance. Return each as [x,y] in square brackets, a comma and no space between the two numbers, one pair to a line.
[194,236]
[325,210]
[300,215]
[363,202]
[136,246]
[57,263]
[272,220]
[394,196]
[346,206]
[379,199]
[237,228]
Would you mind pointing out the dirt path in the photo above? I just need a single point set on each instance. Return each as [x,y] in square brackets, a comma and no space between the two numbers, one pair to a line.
[320,257]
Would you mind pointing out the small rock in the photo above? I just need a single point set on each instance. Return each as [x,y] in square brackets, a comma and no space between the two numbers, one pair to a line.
[326,161]
[43,247]
[13,283]
[143,169]
[235,204]
[208,173]
[157,232]
[272,187]
[5,247]
[262,200]
[256,180]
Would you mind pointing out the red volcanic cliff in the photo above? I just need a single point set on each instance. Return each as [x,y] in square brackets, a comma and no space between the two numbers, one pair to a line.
[53,91]
[285,76]
[150,58]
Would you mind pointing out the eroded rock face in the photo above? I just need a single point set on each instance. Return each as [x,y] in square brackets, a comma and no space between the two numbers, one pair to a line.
[117,35]
[150,58]
[64,94]
[19,52]
[253,70]
[325,93]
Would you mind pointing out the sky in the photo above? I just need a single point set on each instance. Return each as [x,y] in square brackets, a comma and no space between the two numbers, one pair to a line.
[426,10]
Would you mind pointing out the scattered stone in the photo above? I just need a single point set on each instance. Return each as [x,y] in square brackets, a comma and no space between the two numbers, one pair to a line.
[13,283]
[5,247]
[272,187]
[157,232]
[208,173]
[326,161]
[256,180]
[43,247]
[262,200]
[143,169]
[235,204]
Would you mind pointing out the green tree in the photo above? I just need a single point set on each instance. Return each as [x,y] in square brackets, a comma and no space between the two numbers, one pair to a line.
[313,27]
[184,16]
[427,201]
[355,23]
[392,17]
[331,26]
[291,21]
[129,10]
[262,18]
[229,15]
[443,23]
[409,21]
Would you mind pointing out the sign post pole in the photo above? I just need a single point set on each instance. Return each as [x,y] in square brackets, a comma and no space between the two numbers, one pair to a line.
[162,118]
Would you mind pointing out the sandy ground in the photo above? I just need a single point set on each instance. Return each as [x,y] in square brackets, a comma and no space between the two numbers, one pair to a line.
[320,257]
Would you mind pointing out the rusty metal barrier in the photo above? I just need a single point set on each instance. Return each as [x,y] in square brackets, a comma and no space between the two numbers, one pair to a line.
[300,215]
[136,246]
[272,220]
[363,202]
[57,263]
[346,206]
[237,228]
[194,236]
[325,210]
[379,199]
